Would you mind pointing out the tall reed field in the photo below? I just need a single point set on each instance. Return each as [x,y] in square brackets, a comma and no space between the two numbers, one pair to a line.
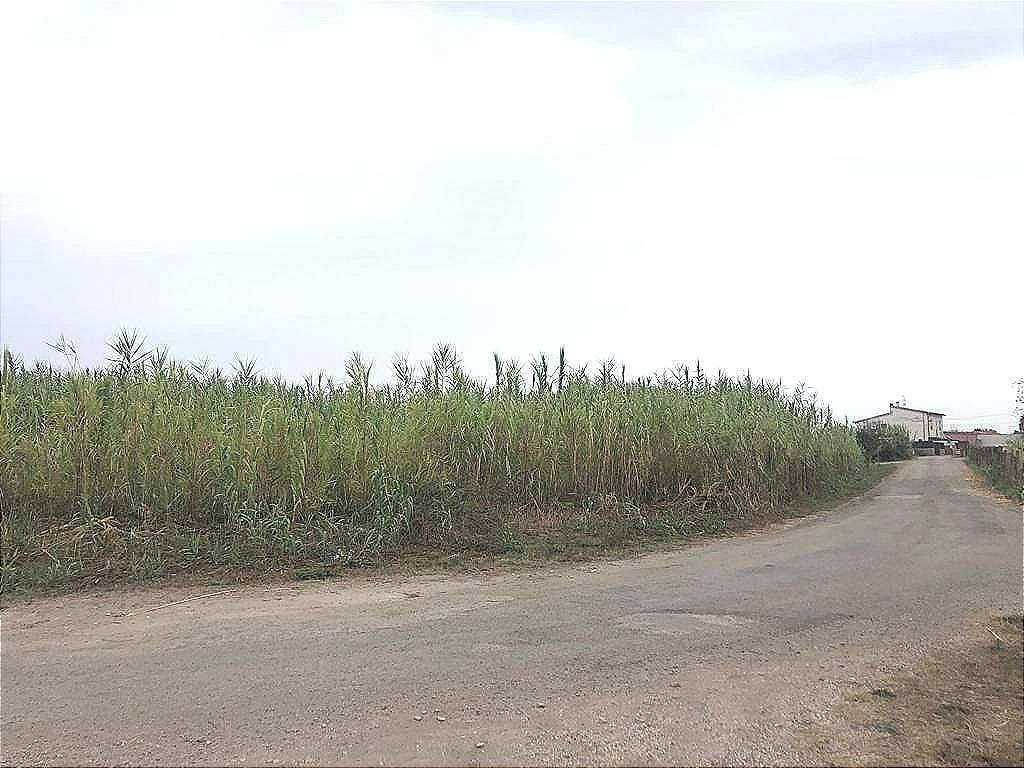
[151,466]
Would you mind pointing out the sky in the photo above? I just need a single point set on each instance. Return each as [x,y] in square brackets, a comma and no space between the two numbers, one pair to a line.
[822,193]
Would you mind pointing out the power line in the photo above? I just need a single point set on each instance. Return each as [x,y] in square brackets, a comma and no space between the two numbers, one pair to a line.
[981,416]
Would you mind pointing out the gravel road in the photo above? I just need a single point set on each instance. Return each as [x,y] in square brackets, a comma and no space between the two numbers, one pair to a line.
[736,650]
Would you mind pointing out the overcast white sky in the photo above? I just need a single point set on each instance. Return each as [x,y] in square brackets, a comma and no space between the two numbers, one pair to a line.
[827,193]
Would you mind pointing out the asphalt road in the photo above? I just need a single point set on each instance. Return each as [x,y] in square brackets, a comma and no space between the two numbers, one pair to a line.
[736,650]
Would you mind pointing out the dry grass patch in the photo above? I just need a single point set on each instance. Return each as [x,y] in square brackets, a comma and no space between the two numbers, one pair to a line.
[962,706]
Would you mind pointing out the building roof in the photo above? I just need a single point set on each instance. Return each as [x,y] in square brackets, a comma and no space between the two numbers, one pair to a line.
[889,413]
[868,418]
[920,410]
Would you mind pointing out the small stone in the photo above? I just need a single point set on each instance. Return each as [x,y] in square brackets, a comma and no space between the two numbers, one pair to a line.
[479,745]
[541,705]
[441,718]
[417,718]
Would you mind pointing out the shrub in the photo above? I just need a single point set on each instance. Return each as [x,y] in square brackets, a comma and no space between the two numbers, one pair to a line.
[885,442]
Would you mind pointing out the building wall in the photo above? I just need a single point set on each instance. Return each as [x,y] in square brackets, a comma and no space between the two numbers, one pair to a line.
[992,441]
[921,426]
[968,438]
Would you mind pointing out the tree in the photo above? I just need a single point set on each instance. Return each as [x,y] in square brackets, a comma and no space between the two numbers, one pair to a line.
[1020,404]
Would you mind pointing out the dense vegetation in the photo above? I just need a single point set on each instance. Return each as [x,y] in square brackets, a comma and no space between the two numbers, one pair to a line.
[1003,466]
[151,464]
[885,442]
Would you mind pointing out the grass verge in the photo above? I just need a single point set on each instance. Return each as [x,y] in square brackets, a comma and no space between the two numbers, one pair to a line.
[529,538]
[997,480]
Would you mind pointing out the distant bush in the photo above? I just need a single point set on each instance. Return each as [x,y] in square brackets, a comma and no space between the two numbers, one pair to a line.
[885,442]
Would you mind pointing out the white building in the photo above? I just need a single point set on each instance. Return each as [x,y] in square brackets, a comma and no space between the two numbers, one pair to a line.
[997,440]
[922,425]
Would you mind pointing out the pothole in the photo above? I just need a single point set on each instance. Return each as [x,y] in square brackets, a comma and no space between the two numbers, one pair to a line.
[675,622]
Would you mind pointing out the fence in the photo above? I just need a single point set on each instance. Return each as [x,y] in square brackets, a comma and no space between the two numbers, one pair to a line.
[1005,465]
